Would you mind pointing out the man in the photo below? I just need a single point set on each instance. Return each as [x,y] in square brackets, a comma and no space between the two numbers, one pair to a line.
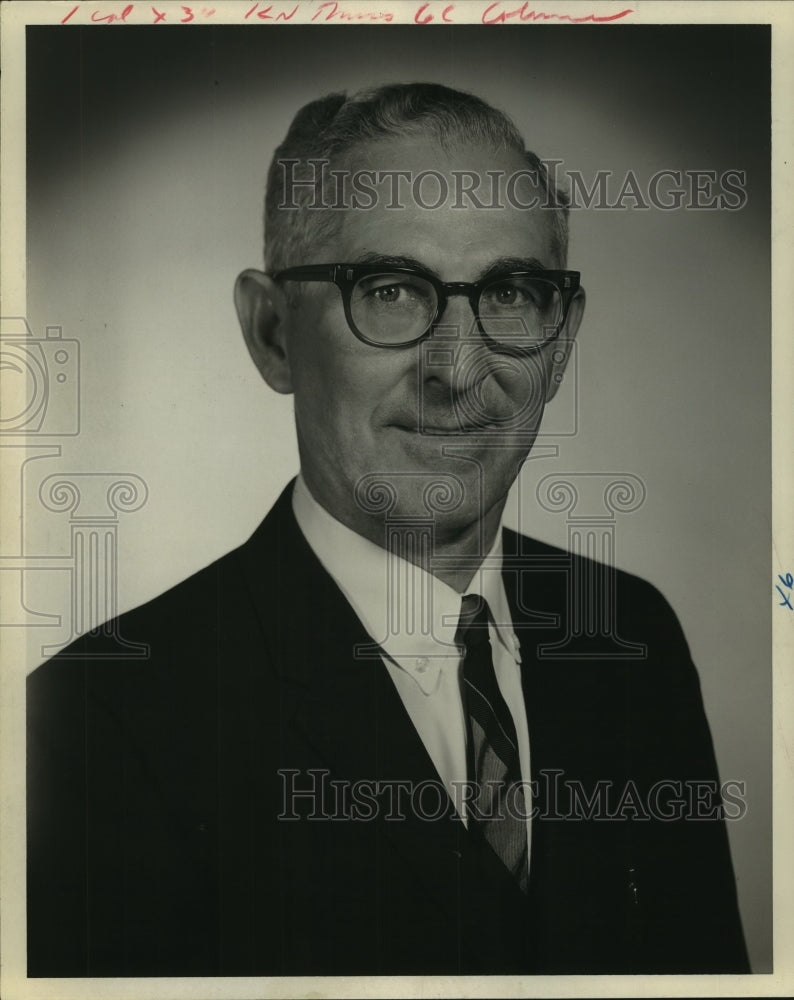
[352,749]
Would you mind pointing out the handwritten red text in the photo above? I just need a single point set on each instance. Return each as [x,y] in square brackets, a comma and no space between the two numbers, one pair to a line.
[498,13]
[331,11]
[425,16]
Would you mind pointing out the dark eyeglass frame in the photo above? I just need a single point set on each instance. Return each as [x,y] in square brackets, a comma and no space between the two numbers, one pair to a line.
[345,277]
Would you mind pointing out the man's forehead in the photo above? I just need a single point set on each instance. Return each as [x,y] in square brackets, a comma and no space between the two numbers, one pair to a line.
[453,207]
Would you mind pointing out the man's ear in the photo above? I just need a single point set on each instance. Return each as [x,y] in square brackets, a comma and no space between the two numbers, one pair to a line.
[262,311]
[560,349]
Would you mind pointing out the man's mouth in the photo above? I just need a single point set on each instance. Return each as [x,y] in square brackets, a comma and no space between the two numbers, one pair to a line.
[445,430]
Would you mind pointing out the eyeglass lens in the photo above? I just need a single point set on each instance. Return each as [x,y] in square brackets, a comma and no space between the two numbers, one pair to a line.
[399,308]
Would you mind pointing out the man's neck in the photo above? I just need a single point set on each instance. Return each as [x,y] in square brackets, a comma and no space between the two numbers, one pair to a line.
[457,550]
[455,559]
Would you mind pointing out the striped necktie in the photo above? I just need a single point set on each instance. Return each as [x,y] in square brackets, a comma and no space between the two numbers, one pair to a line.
[496,814]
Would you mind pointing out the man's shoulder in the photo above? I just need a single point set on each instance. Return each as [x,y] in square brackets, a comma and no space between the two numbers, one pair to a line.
[184,609]
[213,606]
[529,555]
[572,608]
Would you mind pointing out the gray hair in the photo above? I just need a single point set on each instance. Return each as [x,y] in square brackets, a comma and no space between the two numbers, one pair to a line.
[330,127]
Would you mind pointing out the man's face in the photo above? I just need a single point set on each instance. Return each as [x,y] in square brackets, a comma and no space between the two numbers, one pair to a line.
[448,410]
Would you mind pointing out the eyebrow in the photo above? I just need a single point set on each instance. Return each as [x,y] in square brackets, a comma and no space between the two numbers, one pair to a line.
[501,265]
[504,265]
[392,260]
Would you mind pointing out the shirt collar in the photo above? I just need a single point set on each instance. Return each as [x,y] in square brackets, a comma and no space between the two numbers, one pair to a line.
[409,613]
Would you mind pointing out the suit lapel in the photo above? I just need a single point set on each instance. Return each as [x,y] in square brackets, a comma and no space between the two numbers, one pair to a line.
[344,711]
[576,712]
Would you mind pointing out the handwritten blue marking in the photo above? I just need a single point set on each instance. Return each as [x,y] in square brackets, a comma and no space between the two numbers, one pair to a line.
[787,581]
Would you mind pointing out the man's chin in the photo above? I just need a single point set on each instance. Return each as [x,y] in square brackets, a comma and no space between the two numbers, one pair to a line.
[446,500]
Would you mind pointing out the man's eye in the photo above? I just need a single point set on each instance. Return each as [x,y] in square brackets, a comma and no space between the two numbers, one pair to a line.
[521,295]
[386,290]
[387,293]
[507,295]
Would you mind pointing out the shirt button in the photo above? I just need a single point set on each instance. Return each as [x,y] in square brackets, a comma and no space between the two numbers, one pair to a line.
[421,664]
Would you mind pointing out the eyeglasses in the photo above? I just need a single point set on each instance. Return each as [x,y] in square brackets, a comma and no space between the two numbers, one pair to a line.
[516,312]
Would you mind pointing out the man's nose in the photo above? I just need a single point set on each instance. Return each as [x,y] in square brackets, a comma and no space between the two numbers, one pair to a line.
[456,337]
[459,314]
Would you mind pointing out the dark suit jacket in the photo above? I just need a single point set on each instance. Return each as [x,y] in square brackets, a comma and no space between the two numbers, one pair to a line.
[154,840]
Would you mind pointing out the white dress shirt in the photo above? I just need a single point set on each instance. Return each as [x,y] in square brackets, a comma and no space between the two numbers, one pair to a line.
[413,617]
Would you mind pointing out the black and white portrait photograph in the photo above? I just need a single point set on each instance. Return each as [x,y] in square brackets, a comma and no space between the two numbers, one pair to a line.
[390,569]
